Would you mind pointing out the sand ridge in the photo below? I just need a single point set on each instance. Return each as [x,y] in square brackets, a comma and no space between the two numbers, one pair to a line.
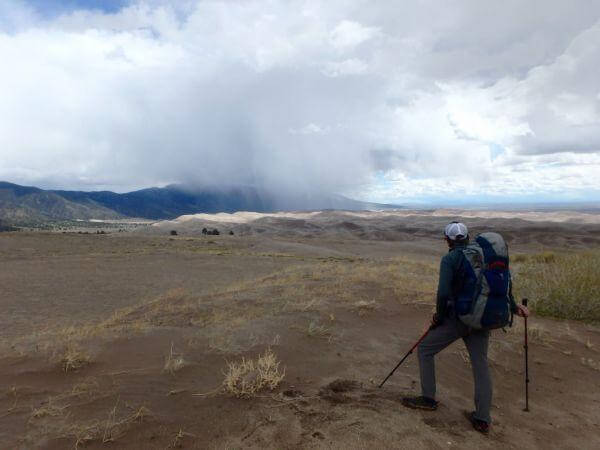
[242,217]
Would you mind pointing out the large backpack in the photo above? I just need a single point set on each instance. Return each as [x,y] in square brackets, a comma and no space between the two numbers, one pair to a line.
[484,301]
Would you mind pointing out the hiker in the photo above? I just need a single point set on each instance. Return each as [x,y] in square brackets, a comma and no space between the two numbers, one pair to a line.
[447,327]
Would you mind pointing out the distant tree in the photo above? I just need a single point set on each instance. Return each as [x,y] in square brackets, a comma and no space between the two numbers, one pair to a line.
[230,232]
[173,232]
[204,231]
[215,232]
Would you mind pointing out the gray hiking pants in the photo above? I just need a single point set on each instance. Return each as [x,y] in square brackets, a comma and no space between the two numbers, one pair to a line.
[477,344]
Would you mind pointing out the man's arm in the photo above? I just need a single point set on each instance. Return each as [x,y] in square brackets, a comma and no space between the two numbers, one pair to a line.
[517,309]
[444,291]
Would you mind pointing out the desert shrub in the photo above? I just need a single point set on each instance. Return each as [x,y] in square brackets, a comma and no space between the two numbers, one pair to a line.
[562,285]
[247,377]
[74,358]
[173,232]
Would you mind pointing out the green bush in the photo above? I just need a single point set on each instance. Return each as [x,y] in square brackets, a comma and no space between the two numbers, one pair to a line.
[562,285]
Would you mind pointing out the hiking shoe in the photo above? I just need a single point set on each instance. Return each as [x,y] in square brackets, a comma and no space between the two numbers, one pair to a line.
[480,425]
[421,402]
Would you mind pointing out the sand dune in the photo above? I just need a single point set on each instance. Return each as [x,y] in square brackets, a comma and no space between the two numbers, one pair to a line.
[570,228]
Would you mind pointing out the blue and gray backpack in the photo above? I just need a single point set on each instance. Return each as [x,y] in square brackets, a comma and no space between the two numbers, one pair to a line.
[484,301]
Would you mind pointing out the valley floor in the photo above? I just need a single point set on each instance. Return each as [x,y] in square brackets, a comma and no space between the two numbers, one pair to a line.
[124,340]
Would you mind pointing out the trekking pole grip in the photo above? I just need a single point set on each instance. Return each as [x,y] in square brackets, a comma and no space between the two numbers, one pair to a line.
[524,301]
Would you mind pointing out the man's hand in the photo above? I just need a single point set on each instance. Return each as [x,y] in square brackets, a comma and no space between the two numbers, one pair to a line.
[435,321]
[522,311]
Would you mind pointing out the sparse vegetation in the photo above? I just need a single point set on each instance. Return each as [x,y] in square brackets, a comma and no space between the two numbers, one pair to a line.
[178,439]
[363,307]
[85,388]
[74,358]
[174,361]
[337,308]
[562,285]
[247,377]
[318,330]
[108,430]
[49,408]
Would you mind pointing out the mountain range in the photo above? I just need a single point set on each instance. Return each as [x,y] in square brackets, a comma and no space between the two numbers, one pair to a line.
[26,204]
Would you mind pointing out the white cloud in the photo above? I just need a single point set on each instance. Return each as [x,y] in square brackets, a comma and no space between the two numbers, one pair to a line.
[403,101]
[351,66]
[311,128]
[348,34]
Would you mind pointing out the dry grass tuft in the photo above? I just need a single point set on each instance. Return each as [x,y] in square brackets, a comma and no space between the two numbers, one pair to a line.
[174,361]
[363,307]
[108,430]
[74,358]
[13,392]
[86,388]
[317,330]
[178,440]
[49,409]
[139,415]
[247,377]
[84,433]
[114,428]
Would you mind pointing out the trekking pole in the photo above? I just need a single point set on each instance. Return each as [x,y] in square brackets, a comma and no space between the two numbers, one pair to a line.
[526,363]
[406,356]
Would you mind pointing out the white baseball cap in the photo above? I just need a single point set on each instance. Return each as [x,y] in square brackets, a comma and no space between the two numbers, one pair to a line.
[456,230]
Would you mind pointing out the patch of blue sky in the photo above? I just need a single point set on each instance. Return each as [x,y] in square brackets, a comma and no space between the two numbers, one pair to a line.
[53,8]
[381,180]
[495,150]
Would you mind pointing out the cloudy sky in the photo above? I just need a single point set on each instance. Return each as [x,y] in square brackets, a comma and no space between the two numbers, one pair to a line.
[386,101]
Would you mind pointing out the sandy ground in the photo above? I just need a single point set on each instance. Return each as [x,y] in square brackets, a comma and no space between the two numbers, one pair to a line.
[338,309]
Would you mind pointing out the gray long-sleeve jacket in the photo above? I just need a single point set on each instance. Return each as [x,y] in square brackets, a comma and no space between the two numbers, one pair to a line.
[452,277]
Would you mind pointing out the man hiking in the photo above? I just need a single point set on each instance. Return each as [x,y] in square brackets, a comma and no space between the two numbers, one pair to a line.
[446,327]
